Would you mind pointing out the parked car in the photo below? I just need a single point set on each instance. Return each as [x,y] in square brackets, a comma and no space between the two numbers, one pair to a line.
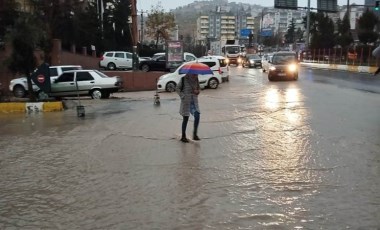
[221,66]
[113,60]
[252,60]
[265,59]
[19,86]
[283,65]
[158,62]
[83,83]
[155,64]
[169,81]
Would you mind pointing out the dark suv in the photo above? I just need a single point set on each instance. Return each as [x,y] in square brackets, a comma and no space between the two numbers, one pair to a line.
[284,65]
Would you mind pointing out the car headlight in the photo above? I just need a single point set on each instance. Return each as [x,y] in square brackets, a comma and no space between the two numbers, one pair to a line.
[252,61]
[239,60]
[292,67]
[272,68]
[227,60]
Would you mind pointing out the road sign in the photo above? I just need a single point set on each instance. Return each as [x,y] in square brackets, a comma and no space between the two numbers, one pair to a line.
[286,4]
[245,32]
[266,32]
[41,78]
[327,6]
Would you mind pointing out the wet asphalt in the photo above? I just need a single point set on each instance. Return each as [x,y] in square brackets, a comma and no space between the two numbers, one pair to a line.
[274,155]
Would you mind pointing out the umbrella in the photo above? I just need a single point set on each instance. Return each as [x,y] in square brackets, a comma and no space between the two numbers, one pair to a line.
[195,68]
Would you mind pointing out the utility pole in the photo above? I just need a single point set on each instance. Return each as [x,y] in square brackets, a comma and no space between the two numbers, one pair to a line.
[135,60]
[308,26]
[142,27]
[142,12]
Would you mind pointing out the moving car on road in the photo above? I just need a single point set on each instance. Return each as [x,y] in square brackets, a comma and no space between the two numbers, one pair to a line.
[83,83]
[252,60]
[169,81]
[221,66]
[284,65]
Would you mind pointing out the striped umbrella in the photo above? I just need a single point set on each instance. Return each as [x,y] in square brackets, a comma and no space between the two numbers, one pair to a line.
[195,68]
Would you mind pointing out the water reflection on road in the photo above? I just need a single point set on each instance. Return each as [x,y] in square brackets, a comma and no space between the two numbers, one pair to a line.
[267,160]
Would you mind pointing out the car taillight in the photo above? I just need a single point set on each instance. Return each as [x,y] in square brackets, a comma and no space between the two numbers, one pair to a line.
[220,70]
[101,58]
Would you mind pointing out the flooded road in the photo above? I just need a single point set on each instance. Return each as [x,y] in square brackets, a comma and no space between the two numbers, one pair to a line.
[273,155]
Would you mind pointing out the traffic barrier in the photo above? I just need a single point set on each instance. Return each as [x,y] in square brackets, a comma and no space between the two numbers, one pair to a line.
[30,107]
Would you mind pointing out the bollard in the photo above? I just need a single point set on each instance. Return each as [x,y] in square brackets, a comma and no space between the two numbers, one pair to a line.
[156,99]
[80,111]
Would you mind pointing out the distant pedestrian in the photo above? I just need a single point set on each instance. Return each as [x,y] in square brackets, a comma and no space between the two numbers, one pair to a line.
[188,89]
[376,53]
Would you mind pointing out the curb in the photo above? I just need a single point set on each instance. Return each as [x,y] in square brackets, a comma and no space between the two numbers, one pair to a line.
[350,68]
[30,107]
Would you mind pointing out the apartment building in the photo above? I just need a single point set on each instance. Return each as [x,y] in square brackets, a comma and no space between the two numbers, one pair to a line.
[221,27]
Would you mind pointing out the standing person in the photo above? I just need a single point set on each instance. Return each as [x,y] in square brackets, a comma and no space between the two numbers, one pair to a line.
[188,89]
[376,53]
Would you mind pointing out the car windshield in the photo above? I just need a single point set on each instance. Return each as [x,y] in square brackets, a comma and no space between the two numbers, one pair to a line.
[283,58]
[233,49]
[253,57]
[100,74]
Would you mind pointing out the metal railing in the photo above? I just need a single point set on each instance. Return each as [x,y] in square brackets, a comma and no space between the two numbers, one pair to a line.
[360,56]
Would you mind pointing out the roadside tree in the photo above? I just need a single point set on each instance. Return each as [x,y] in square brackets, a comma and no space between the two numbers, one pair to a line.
[291,33]
[343,35]
[26,37]
[160,24]
[321,31]
[8,15]
[366,24]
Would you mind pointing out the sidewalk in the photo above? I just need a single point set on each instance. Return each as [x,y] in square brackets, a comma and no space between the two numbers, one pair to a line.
[351,68]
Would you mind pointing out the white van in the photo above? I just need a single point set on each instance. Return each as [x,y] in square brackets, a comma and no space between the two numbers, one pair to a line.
[168,82]
[222,66]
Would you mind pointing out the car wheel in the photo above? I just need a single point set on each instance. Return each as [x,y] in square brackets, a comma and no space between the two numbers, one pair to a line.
[111,66]
[270,77]
[106,95]
[145,68]
[96,94]
[213,83]
[170,86]
[19,91]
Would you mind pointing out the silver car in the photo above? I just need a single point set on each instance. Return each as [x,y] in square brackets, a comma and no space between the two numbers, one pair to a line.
[113,60]
[84,83]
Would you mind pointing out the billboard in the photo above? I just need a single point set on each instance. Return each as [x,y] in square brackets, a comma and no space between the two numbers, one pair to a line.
[174,54]
[327,6]
[286,4]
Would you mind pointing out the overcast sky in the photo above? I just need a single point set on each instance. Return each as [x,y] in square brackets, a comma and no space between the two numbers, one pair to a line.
[172,4]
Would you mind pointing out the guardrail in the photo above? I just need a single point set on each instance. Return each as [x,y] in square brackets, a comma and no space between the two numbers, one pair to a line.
[361,56]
